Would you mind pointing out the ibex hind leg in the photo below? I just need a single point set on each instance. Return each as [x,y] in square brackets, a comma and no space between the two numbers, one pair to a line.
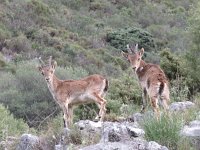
[165,104]
[155,106]
[144,101]
[102,104]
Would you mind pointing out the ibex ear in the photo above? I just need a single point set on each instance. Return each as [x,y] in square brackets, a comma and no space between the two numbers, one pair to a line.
[54,64]
[141,52]
[124,54]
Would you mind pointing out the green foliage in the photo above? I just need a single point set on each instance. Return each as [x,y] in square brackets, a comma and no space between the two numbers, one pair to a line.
[10,126]
[120,38]
[2,61]
[165,131]
[125,89]
[170,64]
[179,90]
[54,130]
[192,56]
[39,7]
[19,44]
[4,33]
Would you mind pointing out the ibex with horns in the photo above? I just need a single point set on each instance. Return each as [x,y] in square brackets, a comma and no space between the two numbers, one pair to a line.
[70,93]
[151,78]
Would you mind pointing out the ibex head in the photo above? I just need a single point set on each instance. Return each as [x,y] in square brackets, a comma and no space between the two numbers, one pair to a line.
[133,56]
[47,70]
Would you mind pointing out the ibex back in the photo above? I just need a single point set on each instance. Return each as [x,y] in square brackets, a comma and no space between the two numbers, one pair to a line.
[151,78]
[69,93]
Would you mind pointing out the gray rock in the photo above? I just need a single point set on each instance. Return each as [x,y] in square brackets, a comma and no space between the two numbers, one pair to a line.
[28,142]
[135,132]
[137,117]
[134,144]
[181,106]
[152,145]
[193,132]
[60,147]
[111,131]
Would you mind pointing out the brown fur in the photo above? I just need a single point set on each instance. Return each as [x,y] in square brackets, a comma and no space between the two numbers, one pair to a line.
[152,80]
[70,93]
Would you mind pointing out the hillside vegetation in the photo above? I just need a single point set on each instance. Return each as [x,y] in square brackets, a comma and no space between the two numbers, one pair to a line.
[86,37]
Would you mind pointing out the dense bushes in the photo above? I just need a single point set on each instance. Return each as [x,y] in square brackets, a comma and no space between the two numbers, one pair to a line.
[9,126]
[120,38]
[125,89]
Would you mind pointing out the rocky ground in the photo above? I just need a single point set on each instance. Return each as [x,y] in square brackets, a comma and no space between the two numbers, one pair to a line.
[125,135]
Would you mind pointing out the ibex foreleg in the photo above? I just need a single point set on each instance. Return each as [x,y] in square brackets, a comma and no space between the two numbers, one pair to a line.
[68,114]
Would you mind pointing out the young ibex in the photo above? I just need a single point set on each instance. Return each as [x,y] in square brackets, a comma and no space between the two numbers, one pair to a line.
[151,78]
[70,93]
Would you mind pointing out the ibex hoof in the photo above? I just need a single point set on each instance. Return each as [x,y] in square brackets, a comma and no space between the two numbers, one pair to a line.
[97,118]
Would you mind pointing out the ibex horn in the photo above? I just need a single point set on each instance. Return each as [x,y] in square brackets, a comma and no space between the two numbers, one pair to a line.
[50,58]
[128,48]
[41,61]
[136,47]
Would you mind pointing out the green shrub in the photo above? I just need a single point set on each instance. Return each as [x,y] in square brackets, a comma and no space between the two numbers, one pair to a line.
[39,7]
[170,64]
[20,44]
[120,38]
[125,89]
[165,131]
[4,33]
[54,130]
[9,126]
[179,91]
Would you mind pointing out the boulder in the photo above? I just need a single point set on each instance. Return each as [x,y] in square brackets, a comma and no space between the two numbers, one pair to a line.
[152,145]
[193,132]
[111,131]
[181,106]
[136,117]
[134,144]
[28,141]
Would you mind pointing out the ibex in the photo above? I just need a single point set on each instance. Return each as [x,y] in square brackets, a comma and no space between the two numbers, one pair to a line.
[70,93]
[151,78]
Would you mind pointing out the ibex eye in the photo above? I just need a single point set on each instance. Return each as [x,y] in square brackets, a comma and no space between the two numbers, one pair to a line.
[42,73]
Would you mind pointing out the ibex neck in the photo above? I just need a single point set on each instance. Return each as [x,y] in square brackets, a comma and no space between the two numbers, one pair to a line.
[53,84]
[142,63]
[140,70]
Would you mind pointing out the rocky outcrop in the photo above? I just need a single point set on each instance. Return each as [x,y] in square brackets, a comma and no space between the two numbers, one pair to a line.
[193,132]
[111,131]
[181,106]
[28,141]
[115,135]
[134,144]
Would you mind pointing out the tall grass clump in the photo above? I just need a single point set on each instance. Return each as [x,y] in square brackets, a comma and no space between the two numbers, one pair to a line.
[165,131]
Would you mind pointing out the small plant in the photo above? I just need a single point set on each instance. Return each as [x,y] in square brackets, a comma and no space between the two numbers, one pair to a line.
[164,131]
[179,90]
